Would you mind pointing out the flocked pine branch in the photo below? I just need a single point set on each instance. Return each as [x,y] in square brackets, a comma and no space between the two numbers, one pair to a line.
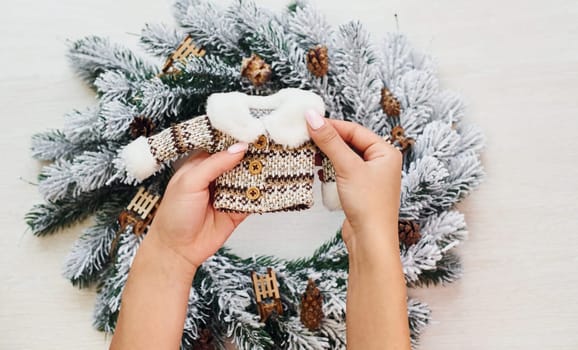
[92,170]
[56,180]
[421,184]
[52,145]
[232,301]
[208,74]
[197,314]
[168,98]
[396,59]
[88,171]
[160,101]
[50,217]
[297,337]
[447,270]
[358,76]
[449,107]
[160,40]
[110,290]
[287,59]
[91,252]
[114,85]
[210,28]
[419,317]
[94,55]
[308,27]
[422,256]
[82,126]
[115,118]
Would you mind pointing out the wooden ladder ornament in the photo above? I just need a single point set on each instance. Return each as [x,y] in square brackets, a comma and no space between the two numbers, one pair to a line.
[267,294]
[140,211]
[185,50]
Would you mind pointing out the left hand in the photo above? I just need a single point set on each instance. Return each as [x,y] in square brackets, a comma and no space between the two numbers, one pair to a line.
[186,221]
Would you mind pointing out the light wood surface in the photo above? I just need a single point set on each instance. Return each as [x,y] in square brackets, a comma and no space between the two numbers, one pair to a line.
[516,62]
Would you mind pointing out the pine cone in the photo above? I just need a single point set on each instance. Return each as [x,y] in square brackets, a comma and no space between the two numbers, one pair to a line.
[389,103]
[311,306]
[408,232]
[256,70]
[397,133]
[317,61]
[141,126]
[406,143]
[205,341]
[398,136]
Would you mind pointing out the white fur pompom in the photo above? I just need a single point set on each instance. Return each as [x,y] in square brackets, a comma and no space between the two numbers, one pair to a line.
[330,196]
[138,160]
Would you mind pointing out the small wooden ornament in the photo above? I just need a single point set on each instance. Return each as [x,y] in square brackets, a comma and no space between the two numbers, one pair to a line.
[185,50]
[267,294]
[312,306]
[140,211]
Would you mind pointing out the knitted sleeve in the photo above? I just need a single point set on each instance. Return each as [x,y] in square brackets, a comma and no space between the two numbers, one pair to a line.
[144,156]
[329,185]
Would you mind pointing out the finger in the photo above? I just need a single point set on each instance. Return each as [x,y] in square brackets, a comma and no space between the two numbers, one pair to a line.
[225,218]
[194,159]
[328,140]
[362,139]
[199,177]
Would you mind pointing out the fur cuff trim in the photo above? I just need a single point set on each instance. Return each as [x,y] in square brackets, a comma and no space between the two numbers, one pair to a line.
[330,196]
[138,159]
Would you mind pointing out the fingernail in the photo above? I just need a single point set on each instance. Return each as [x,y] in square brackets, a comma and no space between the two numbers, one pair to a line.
[238,147]
[314,119]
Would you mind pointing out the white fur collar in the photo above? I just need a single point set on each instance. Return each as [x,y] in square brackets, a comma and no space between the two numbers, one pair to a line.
[230,113]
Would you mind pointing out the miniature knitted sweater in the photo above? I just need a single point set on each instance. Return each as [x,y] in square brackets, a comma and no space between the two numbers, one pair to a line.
[277,171]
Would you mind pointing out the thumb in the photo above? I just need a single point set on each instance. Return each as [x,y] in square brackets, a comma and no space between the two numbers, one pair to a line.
[201,176]
[330,142]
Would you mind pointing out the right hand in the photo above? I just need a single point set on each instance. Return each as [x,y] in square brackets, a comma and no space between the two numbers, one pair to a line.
[368,185]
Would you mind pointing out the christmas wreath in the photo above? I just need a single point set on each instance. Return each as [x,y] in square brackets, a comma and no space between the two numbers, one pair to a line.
[390,88]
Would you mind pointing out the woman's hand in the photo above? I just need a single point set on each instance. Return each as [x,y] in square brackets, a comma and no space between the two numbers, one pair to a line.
[186,231]
[368,177]
[186,221]
[368,183]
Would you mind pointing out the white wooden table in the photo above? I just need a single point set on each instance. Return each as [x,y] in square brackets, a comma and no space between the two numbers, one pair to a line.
[516,62]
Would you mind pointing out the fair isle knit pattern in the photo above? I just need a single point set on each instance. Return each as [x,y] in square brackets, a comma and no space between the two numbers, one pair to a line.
[284,182]
[179,139]
[328,170]
[271,177]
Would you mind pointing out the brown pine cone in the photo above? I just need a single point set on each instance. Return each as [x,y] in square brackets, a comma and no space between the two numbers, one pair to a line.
[256,70]
[318,61]
[397,133]
[205,341]
[311,306]
[141,126]
[406,143]
[389,103]
[408,232]
[398,137]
